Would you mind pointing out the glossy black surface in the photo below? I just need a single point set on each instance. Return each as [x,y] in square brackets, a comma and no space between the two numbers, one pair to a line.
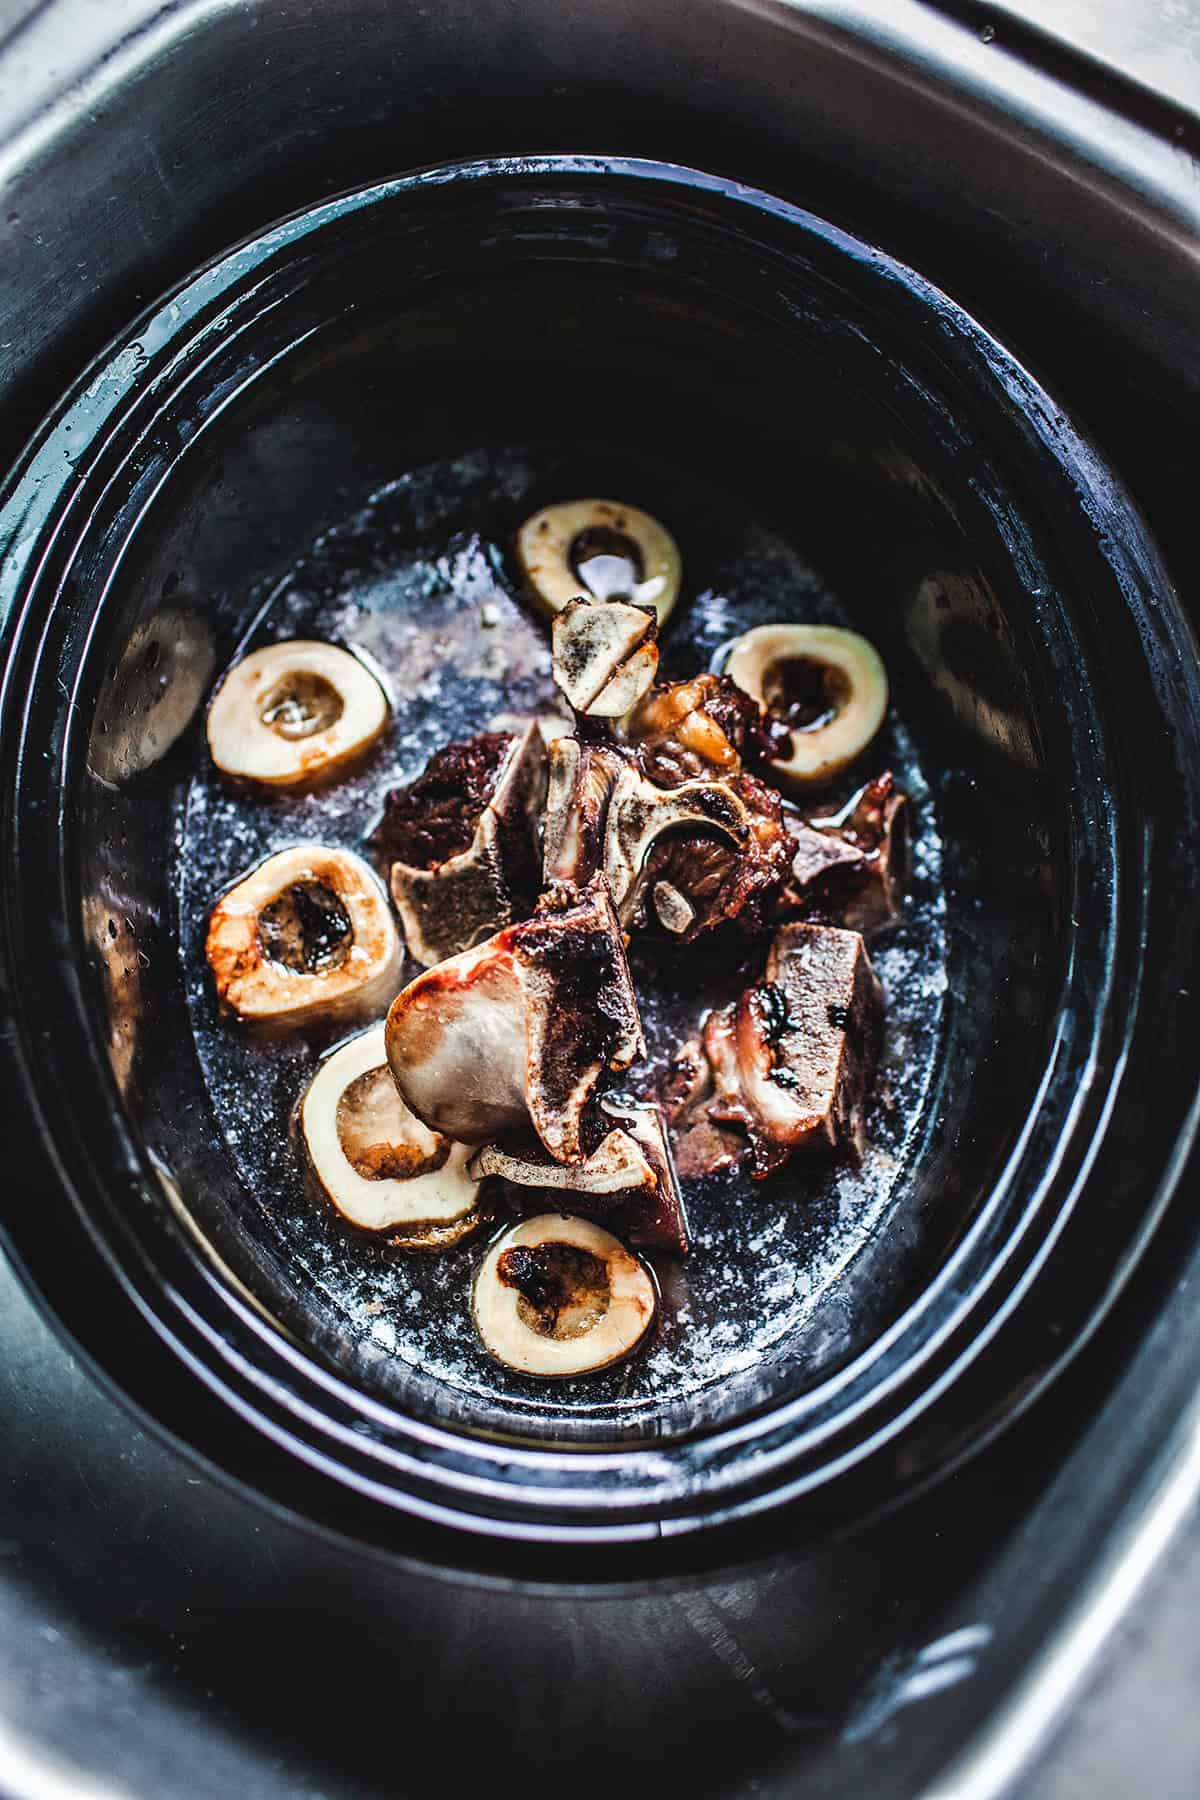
[960,519]
[1063,212]
[172,1636]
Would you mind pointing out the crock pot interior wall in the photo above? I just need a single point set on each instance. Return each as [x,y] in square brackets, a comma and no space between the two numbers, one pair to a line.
[455,332]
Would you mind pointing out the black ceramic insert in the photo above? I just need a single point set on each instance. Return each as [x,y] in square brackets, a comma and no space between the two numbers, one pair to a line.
[420,581]
[496,324]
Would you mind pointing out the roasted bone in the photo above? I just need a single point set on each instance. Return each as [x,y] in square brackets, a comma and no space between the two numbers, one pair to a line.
[460,842]
[685,857]
[628,1181]
[639,813]
[582,778]
[693,881]
[520,1030]
[605,656]
[791,1061]
[694,856]
[307,935]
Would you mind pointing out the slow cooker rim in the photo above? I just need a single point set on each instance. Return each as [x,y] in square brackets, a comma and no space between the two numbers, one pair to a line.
[234,267]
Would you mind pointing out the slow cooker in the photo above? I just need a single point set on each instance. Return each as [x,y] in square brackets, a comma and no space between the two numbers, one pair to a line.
[956,459]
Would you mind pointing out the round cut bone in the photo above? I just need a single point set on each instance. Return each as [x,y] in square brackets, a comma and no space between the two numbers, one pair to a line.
[377,1163]
[308,934]
[554,550]
[293,713]
[852,680]
[557,1295]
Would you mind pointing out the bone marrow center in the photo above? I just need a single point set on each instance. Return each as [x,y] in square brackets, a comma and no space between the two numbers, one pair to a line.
[300,705]
[563,1291]
[805,693]
[605,561]
[306,929]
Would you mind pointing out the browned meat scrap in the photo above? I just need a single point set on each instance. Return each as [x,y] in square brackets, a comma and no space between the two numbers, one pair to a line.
[693,881]
[789,1065]
[519,1031]
[459,845]
[683,858]
[707,726]
[701,1146]
[851,868]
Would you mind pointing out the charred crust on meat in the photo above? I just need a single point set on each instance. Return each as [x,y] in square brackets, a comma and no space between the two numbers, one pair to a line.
[754,733]
[772,1006]
[434,817]
[685,730]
